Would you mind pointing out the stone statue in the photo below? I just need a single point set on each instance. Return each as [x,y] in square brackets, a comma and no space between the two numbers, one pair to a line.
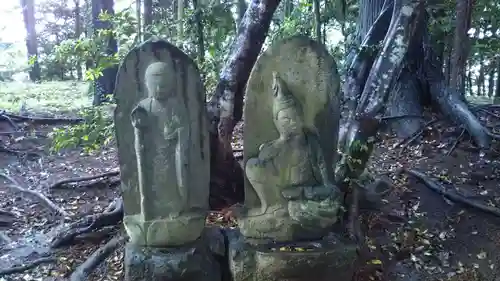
[290,177]
[163,148]
[291,114]
[161,144]
[162,137]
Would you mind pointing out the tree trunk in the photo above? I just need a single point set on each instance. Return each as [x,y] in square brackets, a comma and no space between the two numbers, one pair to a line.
[461,45]
[241,7]
[78,32]
[368,12]
[480,78]
[497,90]
[418,79]
[198,16]
[104,85]
[469,80]
[138,14]
[491,78]
[148,18]
[317,20]
[226,104]
[28,7]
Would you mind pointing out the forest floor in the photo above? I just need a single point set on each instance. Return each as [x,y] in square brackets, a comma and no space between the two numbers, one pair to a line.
[433,237]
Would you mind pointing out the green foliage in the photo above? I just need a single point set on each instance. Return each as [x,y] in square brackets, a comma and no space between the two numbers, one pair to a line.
[12,61]
[96,130]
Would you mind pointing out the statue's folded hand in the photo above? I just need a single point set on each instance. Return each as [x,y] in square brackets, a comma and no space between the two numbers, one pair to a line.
[321,192]
[293,193]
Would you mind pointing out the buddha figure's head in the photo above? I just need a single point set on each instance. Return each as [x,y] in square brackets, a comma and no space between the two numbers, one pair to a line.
[160,80]
[287,113]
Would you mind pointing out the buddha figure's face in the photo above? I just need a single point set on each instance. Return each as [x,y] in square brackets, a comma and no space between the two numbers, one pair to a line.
[288,122]
[286,113]
[159,80]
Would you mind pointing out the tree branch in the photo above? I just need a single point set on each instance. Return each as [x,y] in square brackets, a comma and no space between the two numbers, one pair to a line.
[22,268]
[14,184]
[60,183]
[40,120]
[453,196]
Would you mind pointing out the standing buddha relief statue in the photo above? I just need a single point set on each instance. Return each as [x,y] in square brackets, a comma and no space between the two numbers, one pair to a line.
[162,141]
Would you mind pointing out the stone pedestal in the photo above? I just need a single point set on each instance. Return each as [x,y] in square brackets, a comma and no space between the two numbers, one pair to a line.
[322,260]
[199,261]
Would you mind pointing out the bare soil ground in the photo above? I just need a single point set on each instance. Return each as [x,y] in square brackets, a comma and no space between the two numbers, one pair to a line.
[417,235]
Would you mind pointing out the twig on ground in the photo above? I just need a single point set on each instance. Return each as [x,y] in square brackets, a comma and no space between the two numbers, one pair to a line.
[34,193]
[406,142]
[451,195]
[22,268]
[106,175]
[86,268]
[111,216]
[456,142]
[41,120]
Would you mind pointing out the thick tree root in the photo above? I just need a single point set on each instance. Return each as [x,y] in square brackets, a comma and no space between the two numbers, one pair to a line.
[83,271]
[22,268]
[489,113]
[9,120]
[451,195]
[39,120]
[37,134]
[19,153]
[63,182]
[14,184]
[111,216]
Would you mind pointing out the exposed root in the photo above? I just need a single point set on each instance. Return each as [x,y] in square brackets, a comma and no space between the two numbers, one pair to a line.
[456,142]
[40,120]
[19,153]
[451,194]
[33,133]
[14,184]
[409,140]
[22,268]
[489,113]
[397,117]
[63,182]
[83,271]
[9,120]
[111,216]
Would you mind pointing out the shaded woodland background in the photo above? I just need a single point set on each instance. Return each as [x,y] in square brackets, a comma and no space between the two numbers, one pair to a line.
[449,78]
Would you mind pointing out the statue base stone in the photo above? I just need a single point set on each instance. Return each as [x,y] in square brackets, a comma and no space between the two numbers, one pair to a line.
[199,261]
[320,260]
